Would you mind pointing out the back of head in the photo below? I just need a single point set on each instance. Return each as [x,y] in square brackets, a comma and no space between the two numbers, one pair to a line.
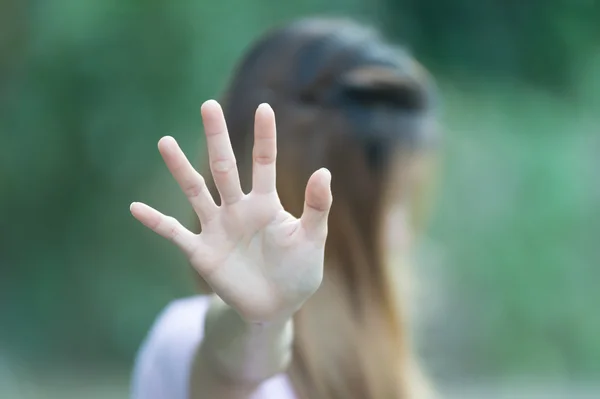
[346,100]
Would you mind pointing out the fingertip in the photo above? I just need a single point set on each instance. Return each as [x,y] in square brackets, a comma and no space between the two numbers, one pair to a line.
[209,106]
[166,142]
[264,111]
[144,214]
[318,190]
[323,179]
[264,107]
[135,207]
[318,201]
[326,176]
[212,118]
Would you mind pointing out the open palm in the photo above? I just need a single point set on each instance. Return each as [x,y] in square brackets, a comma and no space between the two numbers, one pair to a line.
[257,257]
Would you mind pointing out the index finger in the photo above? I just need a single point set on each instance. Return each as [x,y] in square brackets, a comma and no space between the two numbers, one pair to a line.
[222,159]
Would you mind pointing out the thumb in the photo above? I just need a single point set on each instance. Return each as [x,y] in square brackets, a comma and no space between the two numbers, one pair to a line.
[317,202]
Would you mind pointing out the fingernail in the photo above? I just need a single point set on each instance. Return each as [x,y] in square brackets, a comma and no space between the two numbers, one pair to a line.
[165,140]
[327,175]
[265,106]
[211,103]
[208,104]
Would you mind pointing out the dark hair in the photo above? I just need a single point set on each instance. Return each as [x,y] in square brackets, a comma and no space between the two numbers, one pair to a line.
[346,100]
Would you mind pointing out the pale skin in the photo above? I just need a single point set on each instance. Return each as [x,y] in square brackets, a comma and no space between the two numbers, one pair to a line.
[261,262]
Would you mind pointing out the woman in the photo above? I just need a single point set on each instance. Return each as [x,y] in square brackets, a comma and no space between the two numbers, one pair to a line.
[289,316]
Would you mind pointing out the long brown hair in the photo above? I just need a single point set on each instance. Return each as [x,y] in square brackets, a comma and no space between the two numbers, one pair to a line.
[346,100]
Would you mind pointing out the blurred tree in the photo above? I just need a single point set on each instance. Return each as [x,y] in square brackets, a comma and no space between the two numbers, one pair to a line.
[541,43]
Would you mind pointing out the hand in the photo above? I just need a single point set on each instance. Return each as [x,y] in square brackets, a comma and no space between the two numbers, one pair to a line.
[258,258]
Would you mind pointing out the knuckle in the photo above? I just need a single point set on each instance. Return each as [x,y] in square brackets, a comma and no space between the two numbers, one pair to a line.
[194,189]
[216,132]
[223,166]
[172,229]
[264,158]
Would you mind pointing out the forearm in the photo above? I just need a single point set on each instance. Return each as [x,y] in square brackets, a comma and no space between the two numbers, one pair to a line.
[235,357]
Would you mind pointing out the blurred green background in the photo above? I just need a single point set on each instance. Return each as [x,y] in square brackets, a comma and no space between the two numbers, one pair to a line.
[510,287]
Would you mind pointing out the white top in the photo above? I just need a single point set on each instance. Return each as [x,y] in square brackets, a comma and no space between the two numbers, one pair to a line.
[164,361]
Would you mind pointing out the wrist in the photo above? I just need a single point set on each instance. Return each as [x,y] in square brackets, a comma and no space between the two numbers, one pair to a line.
[245,353]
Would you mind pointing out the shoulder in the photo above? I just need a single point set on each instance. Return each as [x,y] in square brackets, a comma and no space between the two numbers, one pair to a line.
[178,328]
[164,360]
[182,316]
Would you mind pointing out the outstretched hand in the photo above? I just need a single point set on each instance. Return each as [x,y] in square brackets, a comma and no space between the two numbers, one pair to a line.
[258,258]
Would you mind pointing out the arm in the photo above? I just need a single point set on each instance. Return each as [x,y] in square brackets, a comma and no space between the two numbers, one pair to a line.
[178,360]
[236,356]
[261,262]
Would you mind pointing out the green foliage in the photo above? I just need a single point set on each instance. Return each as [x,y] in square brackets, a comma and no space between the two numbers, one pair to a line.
[519,221]
[541,43]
